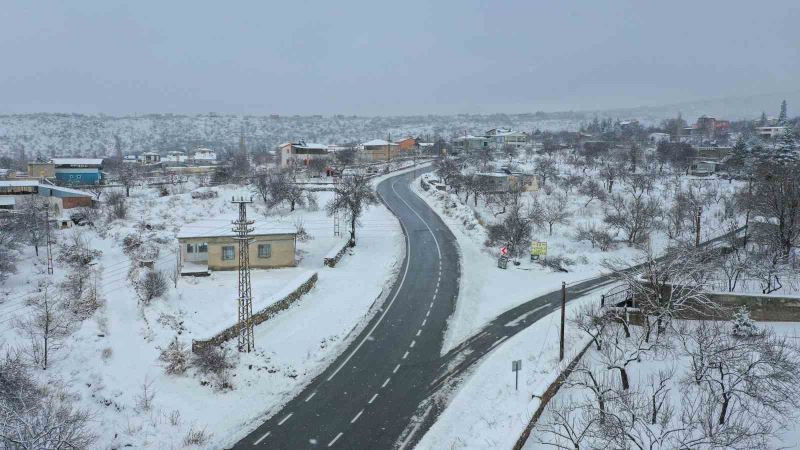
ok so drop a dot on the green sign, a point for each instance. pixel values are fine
(538, 249)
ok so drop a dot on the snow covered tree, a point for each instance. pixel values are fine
(353, 194)
(47, 326)
(175, 357)
(782, 116)
(786, 151)
(592, 190)
(31, 220)
(741, 323)
(515, 229)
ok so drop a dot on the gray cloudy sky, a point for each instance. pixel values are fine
(401, 57)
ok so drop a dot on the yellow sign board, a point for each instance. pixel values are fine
(538, 248)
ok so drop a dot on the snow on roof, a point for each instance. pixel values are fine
(311, 145)
(76, 161)
(222, 229)
(6, 200)
(66, 189)
(377, 142)
(18, 183)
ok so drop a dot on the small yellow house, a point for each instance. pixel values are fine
(206, 247)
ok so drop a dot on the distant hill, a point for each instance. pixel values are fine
(48, 135)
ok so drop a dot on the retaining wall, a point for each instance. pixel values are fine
(258, 317)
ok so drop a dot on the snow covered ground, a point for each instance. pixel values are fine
(487, 291)
(487, 411)
(111, 355)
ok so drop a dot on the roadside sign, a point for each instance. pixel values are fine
(504, 250)
(516, 366)
(538, 249)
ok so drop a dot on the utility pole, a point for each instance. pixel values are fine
(389, 148)
(243, 229)
(49, 242)
(563, 317)
(336, 226)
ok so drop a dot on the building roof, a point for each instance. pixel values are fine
(77, 161)
(35, 183)
(311, 146)
(18, 183)
(222, 229)
(377, 142)
(7, 200)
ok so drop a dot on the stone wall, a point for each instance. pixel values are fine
(331, 260)
(258, 317)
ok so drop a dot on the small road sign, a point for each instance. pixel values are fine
(538, 249)
(516, 366)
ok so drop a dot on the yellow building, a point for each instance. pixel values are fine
(380, 150)
(214, 247)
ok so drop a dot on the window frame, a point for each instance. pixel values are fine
(233, 252)
(267, 246)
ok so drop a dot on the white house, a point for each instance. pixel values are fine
(204, 155)
(301, 153)
(770, 132)
(175, 157)
(655, 138)
(503, 136)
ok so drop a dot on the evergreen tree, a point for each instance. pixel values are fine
(786, 149)
(782, 115)
(762, 122)
(740, 155)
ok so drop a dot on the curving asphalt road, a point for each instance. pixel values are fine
(389, 386)
(368, 396)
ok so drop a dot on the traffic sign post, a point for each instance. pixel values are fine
(538, 250)
(516, 366)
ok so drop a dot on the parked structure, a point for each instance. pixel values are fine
(60, 198)
(207, 247)
(771, 132)
(78, 170)
(655, 138)
(204, 155)
(302, 153)
(380, 150)
(176, 157)
(703, 167)
(504, 181)
(507, 136)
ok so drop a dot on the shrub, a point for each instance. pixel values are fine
(151, 285)
(175, 357)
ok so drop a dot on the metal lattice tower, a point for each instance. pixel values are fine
(243, 228)
(336, 227)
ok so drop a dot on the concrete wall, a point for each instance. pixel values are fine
(283, 251)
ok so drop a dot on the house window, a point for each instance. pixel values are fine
(189, 248)
(202, 248)
(227, 253)
(264, 250)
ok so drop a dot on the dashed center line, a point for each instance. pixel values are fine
(424, 321)
(372, 399)
(405, 355)
(386, 382)
(413, 343)
(311, 396)
(396, 368)
(285, 418)
(419, 331)
(353, 420)
(428, 313)
(330, 444)
(262, 438)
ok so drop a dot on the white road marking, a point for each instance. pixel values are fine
(431, 306)
(372, 399)
(385, 382)
(353, 420)
(285, 418)
(396, 368)
(415, 429)
(412, 344)
(311, 396)
(402, 280)
(428, 313)
(262, 438)
(498, 342)
(330, 444)
(405, 355)
(424, 321)
(519, 319)
(386, 309)
(419, 331)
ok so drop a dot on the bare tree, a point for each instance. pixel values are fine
(635, 216)
(515, 229)
(552, 210)
(546, 169)
(353, 194)
(47, 326)
(592, 190)
(129, 175)
(31, 220)
(151, 285)
(9, 243)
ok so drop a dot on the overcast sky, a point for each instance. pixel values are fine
(387, 58)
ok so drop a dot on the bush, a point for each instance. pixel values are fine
(196, 437)
(151, 285)
(212, 359)
(117, 208)
(175, 358)
(557, 263)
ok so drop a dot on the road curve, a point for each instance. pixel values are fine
(368, 395)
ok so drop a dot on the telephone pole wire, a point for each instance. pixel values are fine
(243, 229)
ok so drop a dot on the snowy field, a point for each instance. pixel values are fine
(487, 411)
(106, 362)
(641, 372)
(487, 291)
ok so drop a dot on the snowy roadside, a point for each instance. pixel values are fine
(487, 411)
(110, 357)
